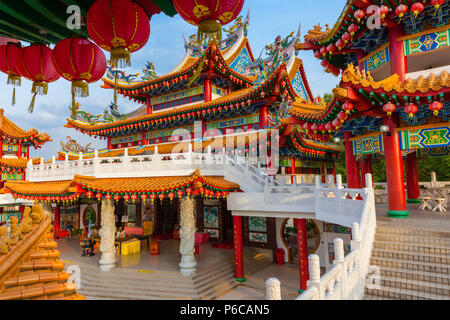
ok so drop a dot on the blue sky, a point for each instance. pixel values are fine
(268, 18)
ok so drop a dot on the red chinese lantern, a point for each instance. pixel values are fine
(329, 127)
(108, 197)
(143, 198)
(340, 44)
(153, 197)
(411, 109)
(9, 53)
(346, 37)
(133, 197)
(80, 61)
(336, 123)
(384, 10)
(35, 63)
(188, 191)
(89, 194)
(317, 54)
(208, 15)
(117, 197)
(435, 107)
(171, 196)
(315, 127)
(359, 15)
(161, 196)
(324, 63)
(126, 197)
(389, 108)
(437, 3)
(218, 194)
(342, 116)
(331, 49)
(98, 196)
(417, 8)
(323, 51)
(179, 193)
(347, 107)
(119, 27)
(401, 10)
(353, 28)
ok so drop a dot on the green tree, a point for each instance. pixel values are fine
(328, 97)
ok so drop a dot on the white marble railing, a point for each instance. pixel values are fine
(235, 168)
(348, 207)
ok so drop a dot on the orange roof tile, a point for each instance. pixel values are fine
(38, 188)
(9, 128)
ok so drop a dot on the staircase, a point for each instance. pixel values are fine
(414, 264)
(208, 283)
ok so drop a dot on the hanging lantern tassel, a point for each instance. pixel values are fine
(120, 57)
(13, 102)
(198, 71)
(80, 88)
(209, 30)
(31, 107)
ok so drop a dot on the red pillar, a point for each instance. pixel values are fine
(56, 222)
(394, 172)
(149, 105)
(353, 180)
(334, 171)
(28, 152)
(263, 112)
(362, 166)
(1, 147)
(399, 63)
(144, 138)
(302, 239)
(323, 171)
(109, 143)
(19, 151)
(22, 209)
(360, 55)
(292, 170)
(367, 168)
(238, 249)
(412, 178)
(208, 89)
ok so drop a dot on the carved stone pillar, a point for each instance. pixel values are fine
(188, 265)
(107, 235)
(273, 289)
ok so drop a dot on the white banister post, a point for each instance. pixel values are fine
(66, 157)
(96, 162)
(330, 179)
(294, 180)
(339, 260)
(317, 181)
(368, 180)
(126, 160)
(314, 274)
(28, 172)
(53, 159)
(80, 156)
(273, 289)
(189, 155)
(356, 237)
(42, 161)
(156, 159)
(339, 181)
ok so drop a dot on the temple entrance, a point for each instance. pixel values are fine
(289, 237)
(167, 218)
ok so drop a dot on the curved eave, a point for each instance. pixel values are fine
(221, 69)
(242, 98)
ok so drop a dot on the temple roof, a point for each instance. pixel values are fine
(80, 184)
(238, 100)
(32, 269)
(365, 39)
(12, 132)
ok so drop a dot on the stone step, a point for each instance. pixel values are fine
(119, 294)
(411, 256)
(416, 247)
(414, 275)
(441, 242)
(417, 266)
(402, 294)
(402, 231)
(416, 285)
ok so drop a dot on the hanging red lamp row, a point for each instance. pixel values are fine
(411, 109)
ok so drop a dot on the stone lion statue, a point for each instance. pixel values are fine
(5, 244)
(37, 213)
(15, 232)
(26, 223)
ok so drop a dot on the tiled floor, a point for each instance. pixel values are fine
(424, 219)
(167, 260)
